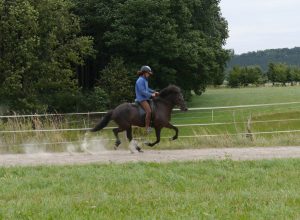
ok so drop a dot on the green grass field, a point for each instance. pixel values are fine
(246, 96)
(191, 190)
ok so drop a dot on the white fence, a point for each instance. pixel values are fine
(178, 125)
(211, 111)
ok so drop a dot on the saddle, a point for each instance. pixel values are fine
(142, 112)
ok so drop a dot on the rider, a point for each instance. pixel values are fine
(144, 93)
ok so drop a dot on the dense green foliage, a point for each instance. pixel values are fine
(116, 83)
(282, 73)
(39, 47)
(181, 40)
(277, 73)
(263, 58)
(193, 190)
(243, 76)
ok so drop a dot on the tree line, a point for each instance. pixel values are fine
(76, 55)
(277, 73)
(264, 57)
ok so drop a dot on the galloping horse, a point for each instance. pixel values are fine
(128, 114)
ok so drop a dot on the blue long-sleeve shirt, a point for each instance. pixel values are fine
(142, 91)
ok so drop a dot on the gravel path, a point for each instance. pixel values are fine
(122, 156)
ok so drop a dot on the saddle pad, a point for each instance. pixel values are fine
(142, 112)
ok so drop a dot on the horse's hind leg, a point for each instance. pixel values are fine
(116, 131)
(129, 136)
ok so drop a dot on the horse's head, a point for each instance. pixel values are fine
(173, 95)
(181, 103)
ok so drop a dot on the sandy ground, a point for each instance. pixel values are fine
(123, 156)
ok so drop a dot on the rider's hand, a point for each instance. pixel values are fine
(155, 94)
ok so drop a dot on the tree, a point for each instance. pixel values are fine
(271, 72)
(93, 100)
(116, 83)
(145, 37)
(265, 57)
(295, 74)
(179, 39)
(244, 76)
(18, 43)
(278, 72)
(96, 18)
(40, 48)
(234, 77)
(253, 75)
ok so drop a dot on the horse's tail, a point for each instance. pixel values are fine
(103, 123)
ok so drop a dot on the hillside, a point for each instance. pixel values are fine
(263, 58)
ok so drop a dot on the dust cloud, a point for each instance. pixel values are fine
(88, 144)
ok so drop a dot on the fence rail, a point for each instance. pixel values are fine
(190, 109)
(177, 125)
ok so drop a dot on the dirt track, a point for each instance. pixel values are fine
(149, 156)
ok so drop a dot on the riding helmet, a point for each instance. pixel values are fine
(146, 69)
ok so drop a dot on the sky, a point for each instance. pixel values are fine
(261, 24)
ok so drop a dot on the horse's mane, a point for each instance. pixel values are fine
(169, 90)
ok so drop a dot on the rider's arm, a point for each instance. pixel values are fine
(142, 89)
(151, 90)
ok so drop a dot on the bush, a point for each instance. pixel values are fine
(95, 100)
(116, 83)
(244, 76)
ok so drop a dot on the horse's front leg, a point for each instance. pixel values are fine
(175, 129)
(157, 132)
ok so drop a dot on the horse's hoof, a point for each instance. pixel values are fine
(149, 144)
(173, 138)
(139, 149)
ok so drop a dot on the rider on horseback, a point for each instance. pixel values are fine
(144, 93)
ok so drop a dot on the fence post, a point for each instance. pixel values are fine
(249, 132)
(88, 119)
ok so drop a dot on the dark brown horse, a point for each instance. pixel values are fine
(128, 114)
